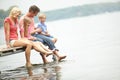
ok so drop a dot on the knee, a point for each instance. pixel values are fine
(29, 44)
(55, 40)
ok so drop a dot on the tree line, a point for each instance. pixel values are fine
(4, 14)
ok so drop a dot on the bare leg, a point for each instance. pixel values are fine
(37, 47)
(44, 58)
(28, 44)
(54, 40)
(58, 56)
(30, 71)
(43, 46)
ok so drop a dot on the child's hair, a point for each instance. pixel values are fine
(26, 20)
(15, 10)
(41, 15)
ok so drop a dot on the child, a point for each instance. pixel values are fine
(43, 27)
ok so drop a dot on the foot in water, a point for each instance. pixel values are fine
(61, 57)
(28, 65)
(46, 62)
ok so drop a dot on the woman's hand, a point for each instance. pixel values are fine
(8, 46)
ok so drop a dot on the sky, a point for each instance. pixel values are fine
(46, 5)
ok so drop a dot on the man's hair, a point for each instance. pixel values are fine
(34, 9)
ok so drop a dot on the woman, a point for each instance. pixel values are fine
(11, 35)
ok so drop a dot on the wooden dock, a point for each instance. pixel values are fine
(8, 51)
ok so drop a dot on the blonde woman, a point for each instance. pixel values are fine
(11, 35)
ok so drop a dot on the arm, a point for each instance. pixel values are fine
(36, 30)
(7, 34)
(21, 27)
(42, 32)
(45, 33)
(33, 29)
(21, 32)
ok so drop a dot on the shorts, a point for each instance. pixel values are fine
(12, 43)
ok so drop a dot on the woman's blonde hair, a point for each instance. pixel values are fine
(15, 10)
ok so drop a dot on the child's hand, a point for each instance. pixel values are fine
(38, 30)
(47, 34)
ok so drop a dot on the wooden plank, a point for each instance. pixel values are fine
(8, 51)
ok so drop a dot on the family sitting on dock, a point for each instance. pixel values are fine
(31, 37)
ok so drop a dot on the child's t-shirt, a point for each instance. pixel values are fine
(42, 26)
(28, 36)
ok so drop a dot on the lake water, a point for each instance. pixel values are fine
(92, 46)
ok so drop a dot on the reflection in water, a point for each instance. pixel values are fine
(50, 71)
(47, 74)
(37, 72)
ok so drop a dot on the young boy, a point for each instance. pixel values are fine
(42, 26)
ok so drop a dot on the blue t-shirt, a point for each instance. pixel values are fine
(42, 26)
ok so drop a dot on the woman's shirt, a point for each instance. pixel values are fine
(13, 28)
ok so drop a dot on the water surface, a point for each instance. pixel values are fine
(92, 46)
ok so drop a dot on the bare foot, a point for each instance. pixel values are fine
(46, 62)
(62, 57)
(28, 65)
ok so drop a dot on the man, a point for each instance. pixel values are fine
(33, 11)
